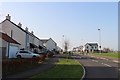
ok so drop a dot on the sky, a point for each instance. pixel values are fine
(77, 21)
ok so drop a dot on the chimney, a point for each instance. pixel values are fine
(20, 25)
(26, 29)
(32, 32)
(8, 17)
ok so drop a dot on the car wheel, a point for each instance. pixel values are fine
(34, 56)
(19, 57)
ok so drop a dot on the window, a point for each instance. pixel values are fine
(23, 52)
(87, 47)
(92, 47)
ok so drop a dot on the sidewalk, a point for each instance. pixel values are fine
(43, 67)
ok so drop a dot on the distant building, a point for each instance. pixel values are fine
(58, 48)
(50, 44)
(78, 49)
(91, 47)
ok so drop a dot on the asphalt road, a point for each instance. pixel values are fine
(96, 68)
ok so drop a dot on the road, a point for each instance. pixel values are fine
(97, 68)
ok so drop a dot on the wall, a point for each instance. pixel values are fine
(51, 45)
(18, 34)
(4, 48)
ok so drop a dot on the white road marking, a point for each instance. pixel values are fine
(119, 69)
(106, 59)
(102, 58)
(95, 60)
(106, 65)
(92, 56)
(115, 61)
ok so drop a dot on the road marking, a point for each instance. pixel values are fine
(106, 59)
(115, 61)
(102, 58)
(92, 56)
(119, 69)
(94, 60)
(106, 65)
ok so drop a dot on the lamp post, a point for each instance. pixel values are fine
(63, 42)
(99, 39)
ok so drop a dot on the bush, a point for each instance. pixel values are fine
(12, 66)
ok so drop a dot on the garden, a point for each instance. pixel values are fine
(14, 66)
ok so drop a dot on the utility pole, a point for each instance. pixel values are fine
(99, 39)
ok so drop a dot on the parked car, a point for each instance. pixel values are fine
(26, 54)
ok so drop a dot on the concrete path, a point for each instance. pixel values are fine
(43, 67)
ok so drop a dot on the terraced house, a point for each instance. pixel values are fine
(19, 39)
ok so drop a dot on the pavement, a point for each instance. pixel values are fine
(26, 74)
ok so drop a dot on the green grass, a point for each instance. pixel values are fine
(65, 68)
(111, 55)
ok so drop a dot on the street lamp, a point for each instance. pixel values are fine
(63, 42)
(99, 39)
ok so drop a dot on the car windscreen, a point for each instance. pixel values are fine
(23, 52)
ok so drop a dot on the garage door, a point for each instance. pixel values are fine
(12, 51)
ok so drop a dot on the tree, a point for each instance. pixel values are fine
(66, 45)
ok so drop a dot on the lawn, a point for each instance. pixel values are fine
(111, 55)
(65, 68)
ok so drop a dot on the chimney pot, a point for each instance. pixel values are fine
(20, 25)
(26, 29)
(32, 32)
(8, 17)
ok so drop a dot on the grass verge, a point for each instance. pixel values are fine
(110, 55)
(65, 68)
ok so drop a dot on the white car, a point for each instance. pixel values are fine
(26, 54)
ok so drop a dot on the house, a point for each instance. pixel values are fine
(78, 49)
(8, 46)
(33, 43)
(50, 44)
(59, 49)
(91, 47)
(14, 31)
(27, 39)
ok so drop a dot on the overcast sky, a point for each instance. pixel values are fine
(77, 21)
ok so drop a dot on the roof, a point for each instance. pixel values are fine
(92, 44)
(7, 38)
(44, 40)
(20, 28)
(14, 24)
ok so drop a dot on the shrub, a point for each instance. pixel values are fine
(11, 66)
